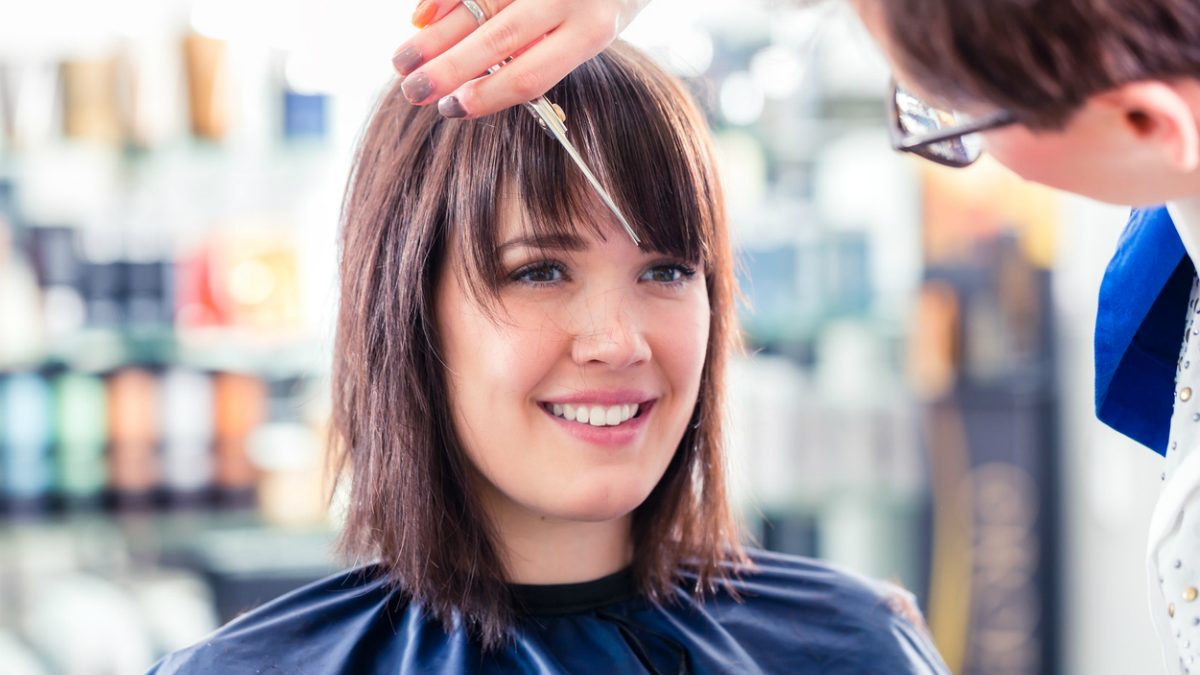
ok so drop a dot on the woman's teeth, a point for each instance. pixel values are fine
(595, 415)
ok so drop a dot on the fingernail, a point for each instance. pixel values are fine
(450, 106)
(424, 14)
(406, 60)
(416, 88)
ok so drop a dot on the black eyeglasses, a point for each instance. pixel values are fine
(947, 137)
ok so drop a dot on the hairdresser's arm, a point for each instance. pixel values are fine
(549, 38)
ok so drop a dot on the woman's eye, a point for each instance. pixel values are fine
(540, 273)
(672, 273)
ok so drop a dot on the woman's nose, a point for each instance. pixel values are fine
(610, 331)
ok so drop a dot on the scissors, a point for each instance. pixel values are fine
(548, 116)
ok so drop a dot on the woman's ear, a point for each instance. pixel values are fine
(1162, 114)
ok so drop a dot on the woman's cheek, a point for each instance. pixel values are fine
(683, 336)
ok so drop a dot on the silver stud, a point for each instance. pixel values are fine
(1174, 444)
(1178, 564)
(1196, 417)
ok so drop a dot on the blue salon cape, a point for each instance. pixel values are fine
(1139, 328)
(796, 616)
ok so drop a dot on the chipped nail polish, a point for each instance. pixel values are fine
(416, 88)
(406, 60)
(450, 106)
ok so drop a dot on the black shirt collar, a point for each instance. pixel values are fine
(558, 599)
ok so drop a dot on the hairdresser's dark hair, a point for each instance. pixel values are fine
(1040, 59)
(421, 184)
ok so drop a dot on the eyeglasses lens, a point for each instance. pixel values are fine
(917, 117)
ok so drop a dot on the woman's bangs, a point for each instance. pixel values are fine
(634, 136)
(637, 134)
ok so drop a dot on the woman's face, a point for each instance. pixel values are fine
(571, 399)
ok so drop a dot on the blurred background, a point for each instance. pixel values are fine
(915, 402)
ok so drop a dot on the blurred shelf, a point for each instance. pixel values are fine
(274, 353)
(231, 540)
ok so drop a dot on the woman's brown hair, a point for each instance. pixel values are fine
(1039, 59)
(421, 184)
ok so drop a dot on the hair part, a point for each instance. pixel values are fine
(421, 184)
(1039, 59)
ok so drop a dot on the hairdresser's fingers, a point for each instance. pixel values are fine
(528, 76)
(589, 27)
(445, 23)
(491, 43)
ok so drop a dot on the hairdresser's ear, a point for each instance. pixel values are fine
(1163, 115)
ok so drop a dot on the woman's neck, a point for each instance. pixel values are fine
(540, 550)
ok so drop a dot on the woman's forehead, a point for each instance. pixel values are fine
(574, 229)
(570, 215)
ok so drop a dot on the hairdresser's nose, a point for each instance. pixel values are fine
(610, 331)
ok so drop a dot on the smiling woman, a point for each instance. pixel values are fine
(529, 408)
(529, 298)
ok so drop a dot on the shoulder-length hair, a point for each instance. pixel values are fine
(420, 184)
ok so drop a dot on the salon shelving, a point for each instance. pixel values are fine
(169, 197)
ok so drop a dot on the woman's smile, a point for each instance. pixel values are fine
(611, 418)
(595, 415)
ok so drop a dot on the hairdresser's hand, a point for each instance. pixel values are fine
(549, 38)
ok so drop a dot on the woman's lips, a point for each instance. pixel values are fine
(594, 414)
(618, 434)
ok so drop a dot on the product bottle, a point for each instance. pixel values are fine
(133, 419)
(21, 324)
(241, 406)
(188, 462)
(81, 419)
(25, 436)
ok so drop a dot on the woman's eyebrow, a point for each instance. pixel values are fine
(558, 242)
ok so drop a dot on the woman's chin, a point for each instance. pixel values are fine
(593, 506)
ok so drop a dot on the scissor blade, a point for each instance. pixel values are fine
(543, 110)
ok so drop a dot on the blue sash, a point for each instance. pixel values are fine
(1139, 328)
